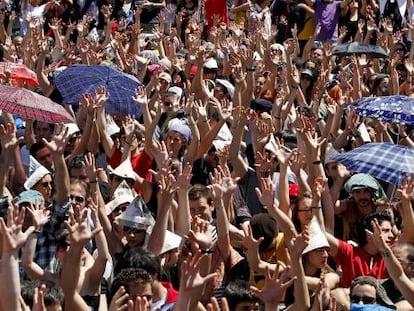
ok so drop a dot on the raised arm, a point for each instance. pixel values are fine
(13, 239)
(79, 235)
(40, 216)
(57, 146)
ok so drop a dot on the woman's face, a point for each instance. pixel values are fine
(305, 211)
(174, 142)
(45, 187)
(318, 258)
(134, 237)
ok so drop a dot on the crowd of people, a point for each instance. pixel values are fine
(224, 192)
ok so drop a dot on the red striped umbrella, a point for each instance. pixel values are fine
(29, 105)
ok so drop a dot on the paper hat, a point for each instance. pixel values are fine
(123, 194)
(317, 239)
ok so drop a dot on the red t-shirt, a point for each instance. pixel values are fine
(141, 163)
(356, 262)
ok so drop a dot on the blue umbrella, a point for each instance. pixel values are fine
(79, 79)
(392, 109)
(384, 161)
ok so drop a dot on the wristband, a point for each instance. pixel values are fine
(250, 69)
(386, 253)
(316, 207)
(317, 162)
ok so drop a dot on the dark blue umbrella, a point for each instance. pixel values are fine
(79, 79)
(392, 109)
(385, 161)
(358, 48)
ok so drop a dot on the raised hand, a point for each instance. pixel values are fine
(119, 300)
(201, 233)
(140, 97)
(319, 186)
(79, 232)
(221, 183)
(275, 285)
(214, 305)
(166, 188)
(13, 236)
(101, 96)
(266, 194)
(298, 243)
(183, 180)
(90, 167)
(406, 190)
(8, 137)
(59, 139)
(40, 214)
(38, 298)
(191, 279)
(248, 240)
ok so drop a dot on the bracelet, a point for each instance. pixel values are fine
(317, 162)
(93, 181)
(277, 117)
(208, 250)
(250, 69)
(37, 231)
(294, 87)
(316, 207)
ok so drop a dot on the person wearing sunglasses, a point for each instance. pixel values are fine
(366, 290)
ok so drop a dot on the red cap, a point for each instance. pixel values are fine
(294, 190)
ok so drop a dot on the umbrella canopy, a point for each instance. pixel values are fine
(19, 73)
(385, 161)
(29, 105)
(79, 79)
(392, 109)
(359, 48)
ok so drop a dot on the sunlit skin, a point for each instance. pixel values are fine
(305, 211)
(44, 157)
(318, 258)
(174, 142)
(364, 290)
(135, 290)
(363, 198)
(135, 239)
(201, 208)
(45, 186)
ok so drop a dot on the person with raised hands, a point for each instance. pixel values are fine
(192, 281)
(13, 238)
(92, 269)
(79, 235)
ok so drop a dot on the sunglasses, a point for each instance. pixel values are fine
(78, 199)
(365, 300)
(130, 230)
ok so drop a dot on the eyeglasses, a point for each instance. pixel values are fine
(77, 199)
(399, 50)
(130, 230)
(47, 184)
(365, 300)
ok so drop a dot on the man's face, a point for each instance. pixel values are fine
(363, 198)
(201, 208)
(171, 103)
(42, 130)
(78, 196)
(135, 289)
(44, 157)
(401, 253)
(386, 230)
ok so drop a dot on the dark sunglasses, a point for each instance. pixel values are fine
(77, 199)
(365, 300)
(130, 230)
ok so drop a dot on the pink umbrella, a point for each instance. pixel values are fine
(29, 105)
